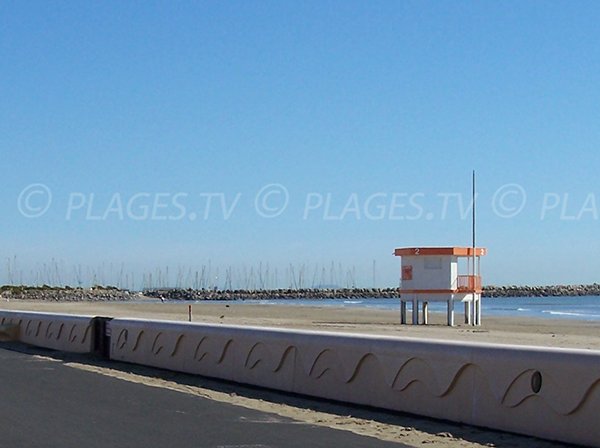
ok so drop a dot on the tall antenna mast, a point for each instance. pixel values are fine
(474, 209)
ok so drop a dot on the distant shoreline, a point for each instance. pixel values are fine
(99, 293)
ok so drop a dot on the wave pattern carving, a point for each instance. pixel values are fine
(316, 360)
(68, 333)
(543, 392)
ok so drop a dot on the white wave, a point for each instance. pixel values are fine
(523, 309)
(353, 301)
(566, 313)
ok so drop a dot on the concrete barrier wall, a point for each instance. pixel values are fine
(59, 332)
(543, 392)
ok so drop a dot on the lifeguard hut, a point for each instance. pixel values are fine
(431, 274)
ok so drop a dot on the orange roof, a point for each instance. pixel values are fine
(456, 251)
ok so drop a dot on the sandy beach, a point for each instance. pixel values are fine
(504, 330)
(410, 430)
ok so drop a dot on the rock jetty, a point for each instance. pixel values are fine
(542, 291)
(364, 293)
(107, 293)
(66, 294)
(282, 294)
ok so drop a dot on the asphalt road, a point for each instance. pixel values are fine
(44, 403)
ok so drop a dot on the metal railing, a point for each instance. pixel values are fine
(469, 283)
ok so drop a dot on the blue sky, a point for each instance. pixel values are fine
(364, 115)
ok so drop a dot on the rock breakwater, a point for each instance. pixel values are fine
(542, 291)
(66, 294)
(274, 294)
(364, 293)
(105, 294)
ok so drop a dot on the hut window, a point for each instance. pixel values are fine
(433, 263)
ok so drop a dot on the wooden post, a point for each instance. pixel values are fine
(425, 312)
(451, 312)
(415, 312)
(467, 313)
(189, 313)
(402, 311)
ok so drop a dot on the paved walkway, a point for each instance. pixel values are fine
(44, 403)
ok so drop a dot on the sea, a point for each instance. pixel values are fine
(581, 307)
